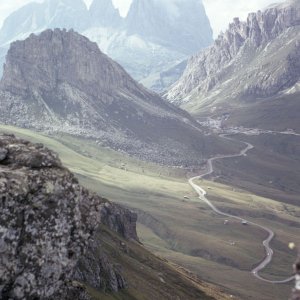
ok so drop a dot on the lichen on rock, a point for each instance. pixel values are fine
(47, 223)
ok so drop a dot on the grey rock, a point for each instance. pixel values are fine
(47, 224)
(256, 58)
(96, 269)
(3, 153)
(120, 221)
(104, 14)
(175, 24)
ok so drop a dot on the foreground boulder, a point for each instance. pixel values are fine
(47, 223)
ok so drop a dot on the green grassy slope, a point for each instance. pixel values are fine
(184, 231)
(150, 277)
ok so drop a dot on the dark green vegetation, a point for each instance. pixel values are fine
(182, 230)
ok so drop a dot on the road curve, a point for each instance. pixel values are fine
(266, 243)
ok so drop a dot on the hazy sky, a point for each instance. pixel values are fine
(220, 12)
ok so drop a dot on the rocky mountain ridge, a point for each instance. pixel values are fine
(252, 59)
(145, 47)
(59, 81)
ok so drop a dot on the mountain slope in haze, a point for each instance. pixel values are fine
(174, 23)
(103, 13)
(145, 46)
(35, 17)
(59, 81)
(255, 59)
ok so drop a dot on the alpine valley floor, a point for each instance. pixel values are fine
(175, 225)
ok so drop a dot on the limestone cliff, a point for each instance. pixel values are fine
(252, 59)
(47, 225)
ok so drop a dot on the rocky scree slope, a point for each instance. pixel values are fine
(145, 46)
(59, 81)
(255, 59)
(47, 223)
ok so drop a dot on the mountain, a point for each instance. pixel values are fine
(175, 24)
(49, 222)
(59, 81)
(59, 241)
(103, 13)
(251, 62)
(36, 17)
(144, 46)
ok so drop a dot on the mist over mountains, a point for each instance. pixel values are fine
(154, 37)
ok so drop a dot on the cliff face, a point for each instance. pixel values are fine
(46, 226)
(176, 24)
(256, 58)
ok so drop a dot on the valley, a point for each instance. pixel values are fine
(174, 225)
(273, 163)
(266, 243)
(195, 142)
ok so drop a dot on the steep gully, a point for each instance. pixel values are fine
(266, 243)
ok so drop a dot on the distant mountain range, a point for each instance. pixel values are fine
(59, 81)
(153, 38)
(249, 67)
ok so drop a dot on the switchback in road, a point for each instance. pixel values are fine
(266, 243)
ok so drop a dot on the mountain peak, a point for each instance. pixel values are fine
(263, 32)
(104, 13)
(62, 56)
(35, 17)
(173, 21)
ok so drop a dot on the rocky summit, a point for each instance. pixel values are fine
(152, 39)
(59, 81)
(254, 59)
(47, 224)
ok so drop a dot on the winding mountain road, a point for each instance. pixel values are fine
(266, 243)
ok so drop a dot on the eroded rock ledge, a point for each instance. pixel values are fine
(47, 224)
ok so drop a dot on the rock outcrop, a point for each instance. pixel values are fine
(59, 81)
(252, 59)
(47, 224)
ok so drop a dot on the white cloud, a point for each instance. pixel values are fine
(220, 12)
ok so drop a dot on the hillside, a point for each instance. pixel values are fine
(59, 81)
